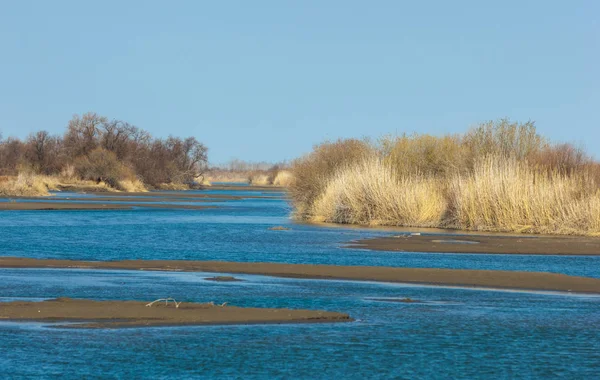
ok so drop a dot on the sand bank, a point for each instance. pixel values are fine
(125, 198)
(103, 314)
(184, 194)
(61, 206)
(433, 276)
(484, 244)
(32, 206)
(249, 188)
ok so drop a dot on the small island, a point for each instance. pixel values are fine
(84, 313)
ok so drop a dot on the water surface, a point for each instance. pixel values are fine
(451, 333)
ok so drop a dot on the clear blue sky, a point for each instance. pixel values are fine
(265, 80)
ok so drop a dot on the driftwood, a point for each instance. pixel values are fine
(166, 302)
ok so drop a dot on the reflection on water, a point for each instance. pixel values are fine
(447, 333)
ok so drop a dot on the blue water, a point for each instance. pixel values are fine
(452, 333)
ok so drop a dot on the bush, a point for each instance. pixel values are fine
(370, 192)
(284, 178)
(426, 154)
(504, 138)
(510, 195)
(25, 184)
(314, 171)
(103, 166)
(500, 176)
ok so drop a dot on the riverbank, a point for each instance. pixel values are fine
(431, 276)
(83, 313)
(484, 244)
(126, 201)
(55, 206)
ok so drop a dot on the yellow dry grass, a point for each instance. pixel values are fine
(25, 184)
(173, 186)
(284, 178)
(508, 195)
(226, 176)
(500, 176)
(501, 195)
(32, 185)
(259, 179)
(132, 186)
(372, 193)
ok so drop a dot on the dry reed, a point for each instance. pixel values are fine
(500, 176)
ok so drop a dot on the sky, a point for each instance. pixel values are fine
(267, 80)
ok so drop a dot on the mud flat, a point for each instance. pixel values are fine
(484, 244)
(112, 314)
(61, 206)
(249, 188)
(183, 194)
(432, 276)
(39, 206)
(223, 279)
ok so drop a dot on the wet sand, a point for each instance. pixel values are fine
(155, 199)
(49, 205)
(223, 279)
(248, 188)
(61, 206)
(183, 194)
(122, 198)
(114, 314)
(430, 276)
(484, 244)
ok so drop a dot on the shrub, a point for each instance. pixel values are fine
(103, 166)
(314, 171)
(370, 192)
(25, 184)
(284, 178)
(504, 138)
(426, 154)
(510, 195)
(499, 176)
(259, 178)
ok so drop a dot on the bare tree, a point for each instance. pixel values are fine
(116, 135)
(83, 134)
(11, 155)
(44, 152)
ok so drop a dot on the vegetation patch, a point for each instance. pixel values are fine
(96, 153)
(500, 176)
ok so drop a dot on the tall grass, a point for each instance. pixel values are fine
(284, 178)
(510, 195)
(25, 184)
(370, 192)
(28, 184)
(500, 176)
(313, 172)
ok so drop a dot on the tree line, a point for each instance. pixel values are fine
(95, 147)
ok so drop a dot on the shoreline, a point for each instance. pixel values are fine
(495, 279)
(59, 205)
(484, 244)
(86, 313)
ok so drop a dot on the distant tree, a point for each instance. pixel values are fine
(11, 155)
(83, 134)
(102, 165)
(116, 136)
(107, 150)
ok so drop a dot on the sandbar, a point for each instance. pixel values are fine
(182, 194)
(53, 206)
(248, 188)
(431, 276)
(117, 314)
(484, 244)
(34, 206)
